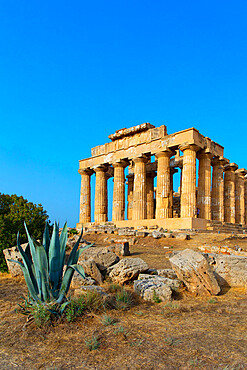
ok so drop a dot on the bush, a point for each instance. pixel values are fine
(14, 211)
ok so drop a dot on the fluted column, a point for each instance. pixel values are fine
(240, 196)
(150, 194)
(245, 197)
(204, 184)
(172, 171)
(163, 196)
(217, 201)
(85, 196)
(188, 195)
(229, 192)
(118, 208)
(130, 196)
(139, 211)
(101, 201)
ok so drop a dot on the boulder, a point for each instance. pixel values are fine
(14, 254)
(90, 288)
(127, 269)
(168, 273)
(101, 256)
(151, 289)
(120, 249)
(156, 234)
(195, 272)
(183, 236)
(230, 270)
(174, 284)
(78, 281)
(90, 269)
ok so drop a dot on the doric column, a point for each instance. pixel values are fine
(150, 194)
(217, 201)
(85, 197)
(204, 184)
(240, 196)
(101, 201)
(245, 197)
(229, 192)
(188, 195)
(172, 171)
(163, 196)
(118, 208)
(130, 184)
(139, 211)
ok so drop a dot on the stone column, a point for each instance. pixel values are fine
(139, 211)
(217, 201)
(240, 196)
(163, 196)
(188, 195)
(172, 171)
(101, 201)
(150, 194)
(229, 192)
(118, 208)
(204, 184)
(245, 197)
(85, 197)
(130, 196)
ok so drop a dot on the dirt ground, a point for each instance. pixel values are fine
(191, 332)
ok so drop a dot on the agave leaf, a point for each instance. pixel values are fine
(27, 262)
(80, 250)
(44, 272)
(73, 257)
(28, 280)
(34, 257)
(63, 306)
(67, 280)
(63, 241)
(55, 261)
(46, 238)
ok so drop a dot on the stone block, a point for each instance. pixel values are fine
(182, 236)
(14, 254)
(168, 273)
(127, 269)
(91, 269)
(149, 289)
(195, 272)
(142, 234)
(90, 288)
(101, 256)
(78, 281)
(156, 234)
(174, 284)
(120, 249)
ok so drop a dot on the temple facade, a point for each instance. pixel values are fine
(148, 152)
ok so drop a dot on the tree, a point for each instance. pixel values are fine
(14, 211)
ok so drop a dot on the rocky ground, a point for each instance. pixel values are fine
(189, 332)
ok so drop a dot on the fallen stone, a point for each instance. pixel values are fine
(151, 289)
(168, 273)
(174, 284)
(14, 254)
(194, 271)
(142, 234)
(90, 288)
(127, 269)
(127, 232)
(168, 235)
(91, 269)
(101, 256)
(156, 234)
(230, 270)
(78, 281)
(183, 236)
(120, 249)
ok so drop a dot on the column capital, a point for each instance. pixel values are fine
(185, 146)
(204, 154)
(120, 163)
(140, 159)
(165, 153)
(85, 171)
(241, 172)
(231, 167)
(219, 161)
(101, 168)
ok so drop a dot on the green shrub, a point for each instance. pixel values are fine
(92, 343)
(124, 300)
(107, 320)
(156, 298)
(73, 232)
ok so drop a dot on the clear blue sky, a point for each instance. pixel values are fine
(73, 72)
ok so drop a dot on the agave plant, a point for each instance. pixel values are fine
(43, 266)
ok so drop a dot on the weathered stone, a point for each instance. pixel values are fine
(151, 289)
(156, 234)
(127, 269)
(168, 235)
(183, 236)
(78, 281)
(230, 270)
(90, 288)
(142, 234)
(193, 269)
(174, 284)
(91, 269)
(126, 232)
(14, 254)
(101, 256)
(168, 273)
(120, 249)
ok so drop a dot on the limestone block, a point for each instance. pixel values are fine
(174, 284)
(168, 273)
(193, 269)
(157, 234)
(78, 281)
(230, 270)
(183, 236)
(126, 231)
(90, 288)
(127, 269)
(168, 235)
(91, 269)
(148, 289)
(142, 234)
(120, 249)
(14, 254)
(101, 256)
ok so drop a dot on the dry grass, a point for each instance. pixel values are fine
(189, 333)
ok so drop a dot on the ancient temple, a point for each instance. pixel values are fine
(147, 151)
